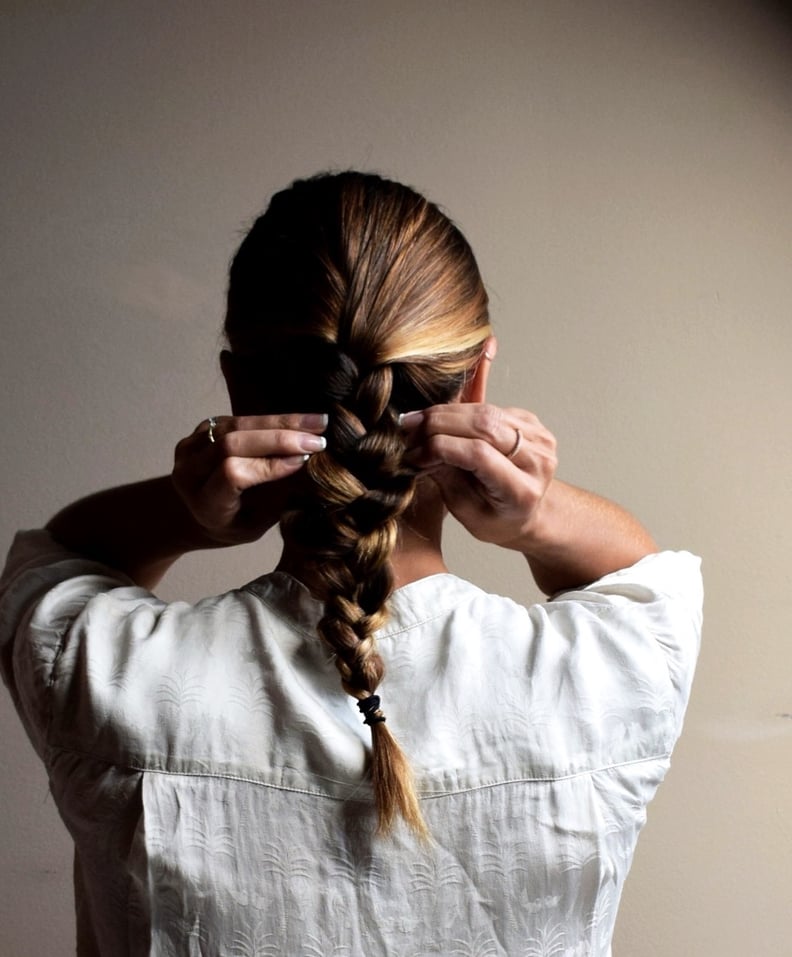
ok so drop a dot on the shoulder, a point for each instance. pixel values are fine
(67, 621)
(635, 634)
(670, 575)
(660, 596)
(636, 626)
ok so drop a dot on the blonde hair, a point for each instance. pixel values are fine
(369, 303)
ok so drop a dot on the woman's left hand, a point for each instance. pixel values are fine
(228, 474)
(492, 465)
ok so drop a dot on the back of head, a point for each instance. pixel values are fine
(353, 295)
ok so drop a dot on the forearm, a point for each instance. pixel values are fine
(577, 537)
(139, 529)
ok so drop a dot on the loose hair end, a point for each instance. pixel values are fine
(394, 785)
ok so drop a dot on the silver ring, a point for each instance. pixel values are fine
(212, 424)
(517, 444)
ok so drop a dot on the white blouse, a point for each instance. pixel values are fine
(213, 773)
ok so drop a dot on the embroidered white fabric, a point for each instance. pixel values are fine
(213, 773)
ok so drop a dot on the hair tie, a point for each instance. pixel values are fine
(370, 708)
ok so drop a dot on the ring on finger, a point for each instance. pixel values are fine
(212, 425)
(517, 443)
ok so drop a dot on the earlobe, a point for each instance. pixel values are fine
(475, 389)
(231, 379)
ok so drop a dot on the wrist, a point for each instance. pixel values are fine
(576, 537)
(540, 532)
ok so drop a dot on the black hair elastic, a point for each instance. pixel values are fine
(369, 707)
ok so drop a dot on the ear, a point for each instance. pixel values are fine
(232, 381)
(475, 388)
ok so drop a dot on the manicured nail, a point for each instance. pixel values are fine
(314, 420)
(313, 443)
(294, 460)
(406, 419)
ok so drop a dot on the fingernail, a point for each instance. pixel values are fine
(295, 460)
(313, 443)
(411, 418)
(314, 420)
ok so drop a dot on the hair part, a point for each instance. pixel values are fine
(354, 295)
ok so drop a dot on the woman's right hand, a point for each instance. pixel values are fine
(492, 465)
(231, 477)
(495, 469)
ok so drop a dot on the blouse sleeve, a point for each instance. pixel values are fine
(655, 608)
(43, 588)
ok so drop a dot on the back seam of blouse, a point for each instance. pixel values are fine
(423, 795)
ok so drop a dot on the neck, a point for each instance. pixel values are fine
(418, 553)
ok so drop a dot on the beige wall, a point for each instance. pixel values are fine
(624, 171)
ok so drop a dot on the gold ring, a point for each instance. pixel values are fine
(517, 444)
(212, 424)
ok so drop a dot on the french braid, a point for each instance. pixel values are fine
(350, 526)
(371, 301)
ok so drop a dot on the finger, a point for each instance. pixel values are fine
(296, 421)
(488, 485)
(268, 443)
(199, 456)
(313, 422)
(498, 426)
(475, 456)
(520, 449)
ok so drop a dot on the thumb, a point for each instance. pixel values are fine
(459, 490)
